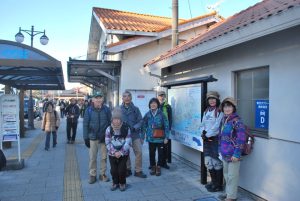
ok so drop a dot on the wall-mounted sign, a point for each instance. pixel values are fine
(262, 114)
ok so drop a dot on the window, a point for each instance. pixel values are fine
(252, 85)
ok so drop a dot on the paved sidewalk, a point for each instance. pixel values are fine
(62, 174)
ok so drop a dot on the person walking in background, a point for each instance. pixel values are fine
(167, 110)
(62, 107)
(50, 124)
(83, 108)
(96, 119)
(232, 138)
(72, 114)
(156, 129)
(210, 130)
(132, 116)
(118, 142)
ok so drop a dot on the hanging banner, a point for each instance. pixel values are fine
(9, 108)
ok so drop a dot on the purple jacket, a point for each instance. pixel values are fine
(232, 137)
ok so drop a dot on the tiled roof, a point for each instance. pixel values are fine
(128, 21)
(259, 11)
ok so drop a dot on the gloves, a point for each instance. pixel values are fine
(203, 135)
(56, 128)
(87, 143)
(43, 129)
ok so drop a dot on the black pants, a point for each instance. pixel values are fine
(167, 151)
(152, 153)
(62, 113)
(118, 169)
(71, 126)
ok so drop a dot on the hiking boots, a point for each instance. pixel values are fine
(113, 187)
(140, 174)
(103, 178)
(122, 187)
(223, 196)
(92, 179)
(152, 171)
(217, 181)
(165, 166)
(158, 172)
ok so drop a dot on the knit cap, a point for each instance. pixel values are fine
(117, 113)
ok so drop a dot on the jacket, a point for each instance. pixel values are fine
(72, 109)
(50, 121)
(132, 116)
(211, 122)
(167, 110)
(232, 137)
(155, 121)
(118, 141)
(95, 122)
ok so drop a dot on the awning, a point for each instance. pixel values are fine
(91, 72)
(25, 67)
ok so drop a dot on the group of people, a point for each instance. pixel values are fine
(222, 132)
(112, 134)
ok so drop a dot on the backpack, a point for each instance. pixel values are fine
(249, 142)
(2, 160)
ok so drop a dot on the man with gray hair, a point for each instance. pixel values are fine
(132, 116)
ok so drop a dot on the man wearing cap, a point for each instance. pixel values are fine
(132, 116)
(97, 118)
(72, 114)
(167, 111)
(210, 130)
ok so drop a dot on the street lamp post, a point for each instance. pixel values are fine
(44, 41)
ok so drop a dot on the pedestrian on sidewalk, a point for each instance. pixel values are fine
(72, 114)
(62, 107)
(132, 116)
(210, 134)
(118, 142)
(96, 119)
(50, 124)
(167, 110)
(232, 139)
(156, 129)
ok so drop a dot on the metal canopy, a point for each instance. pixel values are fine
(196, 80)
(93, 72)
(24, 67)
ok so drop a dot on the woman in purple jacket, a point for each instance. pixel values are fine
(232, 139)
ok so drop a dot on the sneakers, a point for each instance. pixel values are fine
(122, 187)
(103, 178)
(128, 173)
(140, 174)
(92, 179)
(113, 187)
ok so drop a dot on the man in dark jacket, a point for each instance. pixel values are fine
(95, 121)
(72, 114)
(132, 116)
(167, 111)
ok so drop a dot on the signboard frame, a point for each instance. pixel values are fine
(10, 120)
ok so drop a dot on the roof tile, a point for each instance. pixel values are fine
(246, 17)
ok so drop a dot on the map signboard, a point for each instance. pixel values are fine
(186, 109)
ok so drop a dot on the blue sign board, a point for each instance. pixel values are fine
(262, 114)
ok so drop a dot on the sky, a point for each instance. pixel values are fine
(67, 22)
